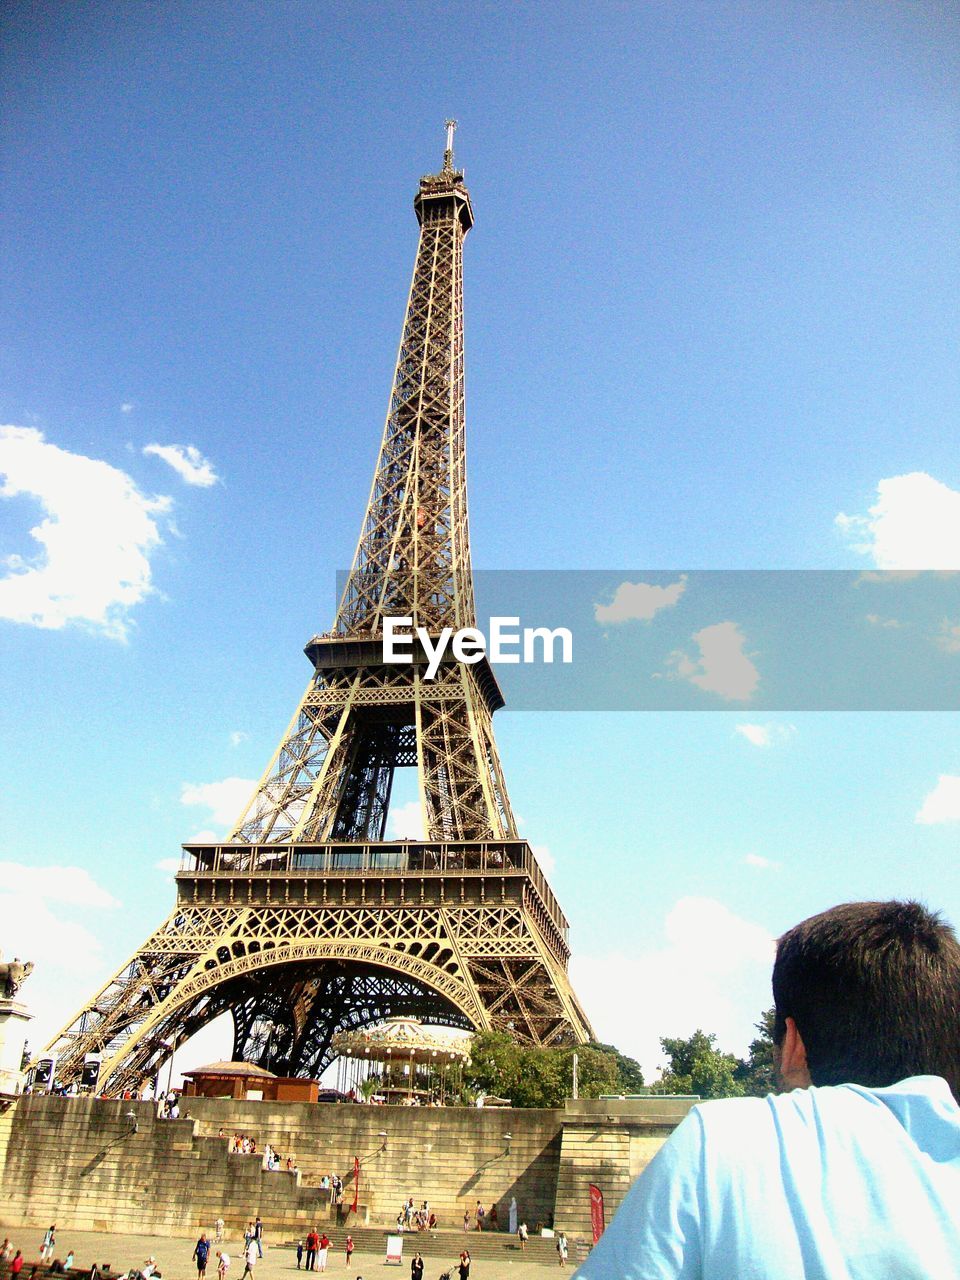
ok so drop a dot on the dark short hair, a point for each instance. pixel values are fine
(874, 988)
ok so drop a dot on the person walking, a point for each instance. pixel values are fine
(481, 1214)
(464, 1267)
(348, 1246)
(49, 1240)
(16, 1266)
(250, 1260)
(416, 1268)
(522, 1234)
(258, 1235)
(561, 1249)
(322, 1252)
(313, 1241)
(466, 1219)
(218, 1229)
(201, 1251)
(299, 1253)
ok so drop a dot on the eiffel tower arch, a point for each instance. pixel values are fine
(306, 921)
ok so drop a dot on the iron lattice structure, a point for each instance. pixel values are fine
(306, 921)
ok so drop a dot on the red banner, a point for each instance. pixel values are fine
(596, 1212)
(356, 1184)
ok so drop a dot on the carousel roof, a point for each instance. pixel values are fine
(405, 1038)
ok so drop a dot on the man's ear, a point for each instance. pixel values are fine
(792, 1066)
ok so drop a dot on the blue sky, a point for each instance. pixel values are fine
(711, 307)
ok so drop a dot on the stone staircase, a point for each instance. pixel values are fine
(441, 1246)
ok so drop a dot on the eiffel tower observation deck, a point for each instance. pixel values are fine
(305, 921)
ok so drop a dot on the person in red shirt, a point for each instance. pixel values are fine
(349, 1248)
(16, 1266)
(322, 1252)
(313, 1240)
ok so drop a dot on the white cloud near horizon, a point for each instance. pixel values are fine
(94, 542)
(225, 800)
(47, 915)
(942, 804)
(187, 461)
(914, 524)
(721, 666)
(710, 970)
(639, 601)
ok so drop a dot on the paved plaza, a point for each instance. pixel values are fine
(174, 1257)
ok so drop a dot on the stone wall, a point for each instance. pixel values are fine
(609, 1143)
(78, 1162)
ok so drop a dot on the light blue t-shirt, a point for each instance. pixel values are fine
(838, 1183)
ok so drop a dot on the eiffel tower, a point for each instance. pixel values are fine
(306, 921)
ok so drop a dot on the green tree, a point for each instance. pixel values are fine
(698, 1066)
(630, 1071)
(756, 1073)
(597, 1071)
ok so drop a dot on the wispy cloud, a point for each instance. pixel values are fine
(225, 799)
(914, 524)
(639, 601)
(237, 737)
(890, 624)
(127, 407)
(761, 863)
(187, 461)
(94, 543)
(949, 637)
(721, 666)
(942, 804)
(765, 735)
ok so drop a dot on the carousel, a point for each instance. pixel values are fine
(403, 1062)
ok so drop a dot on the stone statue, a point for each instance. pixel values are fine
(13, 973)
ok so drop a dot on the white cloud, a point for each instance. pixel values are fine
(943, 802)
(237, 737)
(765, 735)
(760, 862)
(127, 407)
(73, 885)
(95, 540)
(548, 863)
(187, 461)
(949, 638)
(891, 624)
(226, 799)
(639, 601)
(206, 836)
(721, 667)
(169, 866)
(68, 955)
(405, 822)
(914, 524)
(712, 970)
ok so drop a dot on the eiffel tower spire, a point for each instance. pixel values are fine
(306, 920)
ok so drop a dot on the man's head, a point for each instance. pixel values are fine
(872, 992)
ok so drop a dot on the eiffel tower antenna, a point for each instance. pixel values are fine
(306, 920)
